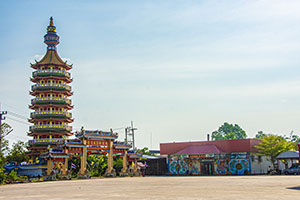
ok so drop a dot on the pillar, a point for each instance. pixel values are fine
(110, 158)
(124, 169)
(65, 167)
(135, 169)
(83, 158)
(49, 166)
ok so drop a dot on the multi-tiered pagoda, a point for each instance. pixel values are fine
(51, 103)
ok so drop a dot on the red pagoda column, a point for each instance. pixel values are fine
(51, 103)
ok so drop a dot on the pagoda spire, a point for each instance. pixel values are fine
(51, 38)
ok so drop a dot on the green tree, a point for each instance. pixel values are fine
(229, 132)
(17, 153)
(145, 151)
(273, 145)
(261, 135)
(5, 130)
(97, 164)
(3, 150)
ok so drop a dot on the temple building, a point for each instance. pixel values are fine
(51, 103)
(220, 157)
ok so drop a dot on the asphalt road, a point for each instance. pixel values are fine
(226, 187)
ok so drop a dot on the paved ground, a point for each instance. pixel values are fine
(230, 187)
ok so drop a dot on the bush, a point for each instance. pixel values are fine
(2, 176)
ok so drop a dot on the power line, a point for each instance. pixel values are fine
(13, 107)
(17, 115)
(18, 121)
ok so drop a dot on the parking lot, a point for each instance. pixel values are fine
(226, 187)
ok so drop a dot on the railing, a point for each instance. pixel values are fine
(55, 99)
(44, 86)
(52, 126)
(45, 72)
(43, 113)
(45, 140)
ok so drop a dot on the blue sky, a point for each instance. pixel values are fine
(178, 69)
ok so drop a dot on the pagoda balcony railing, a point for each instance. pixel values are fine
(51, 100)
(49, 86)
(51, 72)
(50, 114)
(45, 141)
(46, 127)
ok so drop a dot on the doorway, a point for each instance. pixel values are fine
(207, 168)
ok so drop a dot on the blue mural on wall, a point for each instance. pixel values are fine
(178, 165)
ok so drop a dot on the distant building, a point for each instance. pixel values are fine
(221, 157)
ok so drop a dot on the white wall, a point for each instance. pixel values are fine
(261, 166)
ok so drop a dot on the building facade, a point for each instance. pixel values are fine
(51, 103)
(222, 157)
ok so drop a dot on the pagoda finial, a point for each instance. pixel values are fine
(51, 21)
(51, 38)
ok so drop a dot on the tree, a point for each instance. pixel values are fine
(229, 132)
(5, 129)
(273, 145)
(261, 135)
(3, 150)
(97, 164)
(17, 153)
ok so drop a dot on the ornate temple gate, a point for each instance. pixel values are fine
(92, 142)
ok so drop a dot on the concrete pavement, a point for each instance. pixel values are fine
(225, 187)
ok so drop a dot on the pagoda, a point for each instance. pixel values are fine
(51, 103)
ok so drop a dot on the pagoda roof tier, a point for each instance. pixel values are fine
(51, 58)
(64, 92)
(53, 105)
(37, 79)
(47, 132)
(51, 72)
(53, 119)
(51, 86)
(32, 134)
(45, 141)
(55, 153)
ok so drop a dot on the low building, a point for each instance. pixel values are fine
(221, 157)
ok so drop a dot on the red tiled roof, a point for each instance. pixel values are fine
(225, 146)
(199, 149)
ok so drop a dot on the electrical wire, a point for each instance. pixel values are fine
(18, 121)
(17, 115)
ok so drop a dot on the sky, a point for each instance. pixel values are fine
(178, 69)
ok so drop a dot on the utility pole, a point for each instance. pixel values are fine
(129, 135)
(1, 118)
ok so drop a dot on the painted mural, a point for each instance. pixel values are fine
(194, 167)
(224, 164)
(178, 165)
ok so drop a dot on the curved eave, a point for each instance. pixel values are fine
(59, 119)
(37, 92)
(50, 132)
(62, 78)
(51, 58)
(54, 105)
